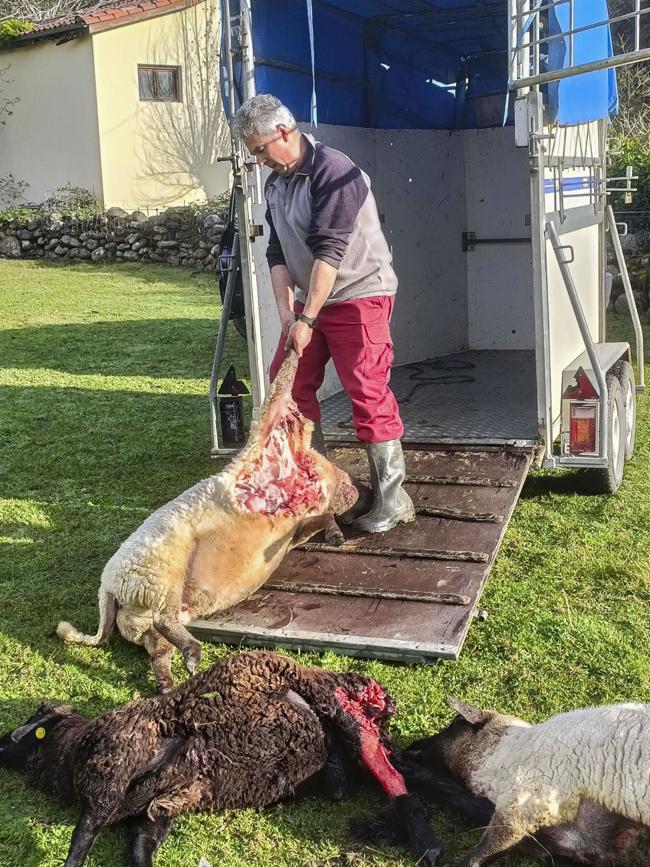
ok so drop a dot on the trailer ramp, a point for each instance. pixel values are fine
(409, 594)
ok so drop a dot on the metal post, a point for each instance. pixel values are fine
(638, 332)
(583, 325)
(245, 190)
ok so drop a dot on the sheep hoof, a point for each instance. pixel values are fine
(192, 658)
(333, 536)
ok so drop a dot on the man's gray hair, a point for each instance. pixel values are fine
(260, 115)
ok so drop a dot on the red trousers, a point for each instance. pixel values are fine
(356, 336)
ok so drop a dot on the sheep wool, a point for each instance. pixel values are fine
(536, 775)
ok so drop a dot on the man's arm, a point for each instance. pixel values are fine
(283, 290)
(338, 193)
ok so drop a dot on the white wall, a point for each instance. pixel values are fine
(52, 138)
(499, 276)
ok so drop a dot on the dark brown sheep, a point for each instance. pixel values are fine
(246, 732)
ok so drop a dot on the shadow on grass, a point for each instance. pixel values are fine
(82, 470)
(162, 348)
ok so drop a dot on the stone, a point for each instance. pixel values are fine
(174, 260)
(74, 242)
(92, 244)
(116, 212)
(10, 248)
(82, 253)
(61, 251)
(139, 217)
(98, 254)
(621, 305)
(24, 235)
(34, 224)
(167, 245)
(25, 244)
(41, 242)
(160, 230)
(213, 223)
(131, 255)
(132, 238)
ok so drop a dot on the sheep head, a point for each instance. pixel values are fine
(19, 745)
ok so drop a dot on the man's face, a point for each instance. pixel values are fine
(279, 151)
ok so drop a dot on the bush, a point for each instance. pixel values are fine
(13, 27)
(66, 201)
(631, 151)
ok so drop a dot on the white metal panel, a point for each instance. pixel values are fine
(565, 342)
(500, 302)
(421, 191)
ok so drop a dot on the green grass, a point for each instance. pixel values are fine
(104, 417)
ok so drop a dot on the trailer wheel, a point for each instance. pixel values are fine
(624, 372)
(607, 480)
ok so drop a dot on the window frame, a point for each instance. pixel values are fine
(155, 67)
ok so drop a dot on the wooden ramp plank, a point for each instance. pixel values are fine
(412, 558)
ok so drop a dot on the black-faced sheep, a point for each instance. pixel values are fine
(246, 732)
(218, 542)
(576, 786)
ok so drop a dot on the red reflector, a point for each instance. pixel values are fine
(582, 389)
(583, 428)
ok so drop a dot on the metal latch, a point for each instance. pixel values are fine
(470, 241)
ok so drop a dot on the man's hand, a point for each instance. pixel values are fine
(287, 319)
(298, 337)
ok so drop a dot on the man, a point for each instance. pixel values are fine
(334, 286)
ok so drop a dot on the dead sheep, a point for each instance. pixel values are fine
(246, 732)
(219, 541)
(582, 778)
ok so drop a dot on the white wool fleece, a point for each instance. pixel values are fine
(537, 774)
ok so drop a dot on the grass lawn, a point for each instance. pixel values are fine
(104, 417)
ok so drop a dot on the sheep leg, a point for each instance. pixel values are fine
(160, 651)
(336, 775)
(310, 526)
(145, 838)
(499, 836)
(83, 837)
(179, 636)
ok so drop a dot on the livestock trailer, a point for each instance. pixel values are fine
(483, 126)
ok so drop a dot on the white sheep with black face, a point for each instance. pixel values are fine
(537, 776)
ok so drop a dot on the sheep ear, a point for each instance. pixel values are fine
(469, 712)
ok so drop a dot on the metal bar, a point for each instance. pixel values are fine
(571, 30)
(605, 63)
(638, 331)
(231, 79)
(303, 70)
(221, 341)
(459, 515)
(407, 553)
(583, 325)
(637, 25)
(462, 481)
(369, 592)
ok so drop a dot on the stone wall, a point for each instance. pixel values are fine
(177, 237)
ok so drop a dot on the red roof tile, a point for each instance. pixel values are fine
(99, 12)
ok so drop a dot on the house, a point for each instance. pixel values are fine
(121, 99)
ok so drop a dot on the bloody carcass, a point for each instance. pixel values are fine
(219, 541)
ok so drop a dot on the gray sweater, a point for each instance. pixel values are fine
(325, 210)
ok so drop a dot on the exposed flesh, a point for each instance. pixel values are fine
(281, 475)
(365, 709)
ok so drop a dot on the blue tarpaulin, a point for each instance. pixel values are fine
(414, 64)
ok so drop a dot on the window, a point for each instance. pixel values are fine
(160, 83)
